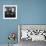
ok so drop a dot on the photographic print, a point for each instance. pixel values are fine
(33, 32)
(9, 11)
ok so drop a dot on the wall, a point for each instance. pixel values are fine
(29, 12)
(34, 12)
(7, 26)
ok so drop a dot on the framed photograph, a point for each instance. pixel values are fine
(9, 11)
